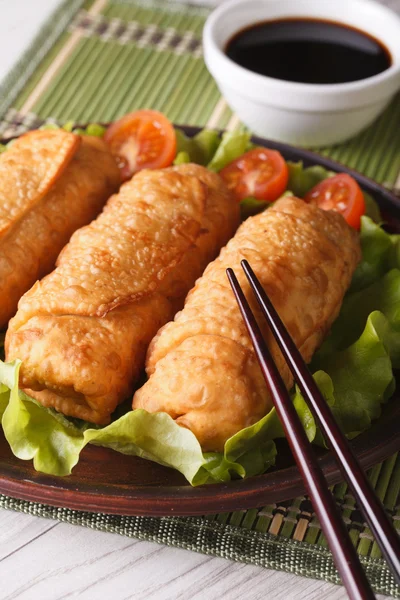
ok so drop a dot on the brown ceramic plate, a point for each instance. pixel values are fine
(105, 481)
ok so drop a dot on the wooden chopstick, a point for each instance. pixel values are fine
(369, 503)
(344, 553)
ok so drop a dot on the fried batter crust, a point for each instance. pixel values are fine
(304, 258)
(29, 168)
(83, 331)
(52, 183)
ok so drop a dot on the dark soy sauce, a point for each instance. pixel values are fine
(308, 51)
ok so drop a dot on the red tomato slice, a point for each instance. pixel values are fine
(342, 194)
(144, 139)
(260, 173)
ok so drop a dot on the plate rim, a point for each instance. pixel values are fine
(185, 500)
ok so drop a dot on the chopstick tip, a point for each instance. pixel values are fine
(245, 265)
(233, 280)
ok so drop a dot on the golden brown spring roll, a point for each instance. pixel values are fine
(51, 183)
(83, 331)
(202, 366)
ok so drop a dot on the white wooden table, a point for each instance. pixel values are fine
(47, 560)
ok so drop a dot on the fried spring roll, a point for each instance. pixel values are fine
(202, 366)
(51, 183)
(83, 331)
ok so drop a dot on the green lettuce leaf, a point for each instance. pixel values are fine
(198, 149)
(233, 144)
(380, 253)
(362, 375)
(382, 295)
(34, 432)
(182, 158)
(301, 179)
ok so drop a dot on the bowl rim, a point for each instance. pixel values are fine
(229, 66)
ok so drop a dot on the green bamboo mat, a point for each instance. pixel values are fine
(96, 60)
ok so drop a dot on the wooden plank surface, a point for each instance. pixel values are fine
(46, 560)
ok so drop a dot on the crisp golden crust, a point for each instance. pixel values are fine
(83, 331)
(304, 258)
(29, 168)
(31, 244)
(84, 366)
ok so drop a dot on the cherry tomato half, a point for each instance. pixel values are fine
(144, 139)
(260, 173)
(342, 194)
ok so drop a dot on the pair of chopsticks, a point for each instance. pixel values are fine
(344, 553)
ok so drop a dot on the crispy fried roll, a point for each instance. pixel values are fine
(51, 183)
(202, 367)
(83, 331)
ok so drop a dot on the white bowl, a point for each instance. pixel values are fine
(306, 114)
